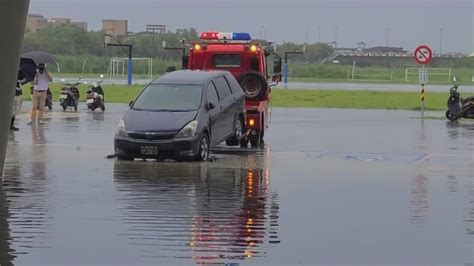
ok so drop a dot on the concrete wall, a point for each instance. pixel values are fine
(12, 24)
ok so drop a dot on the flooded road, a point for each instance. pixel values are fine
(330, 187)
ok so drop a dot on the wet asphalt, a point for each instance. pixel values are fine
(331, 186)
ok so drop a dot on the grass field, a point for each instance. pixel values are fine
(302, 98)
(357, 99)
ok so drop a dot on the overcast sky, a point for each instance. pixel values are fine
(410, 22)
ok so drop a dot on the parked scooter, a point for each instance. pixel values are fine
(95, 96)
(49, 98)
(69, 97)
(457, 106)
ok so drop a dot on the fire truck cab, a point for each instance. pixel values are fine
(247, 60)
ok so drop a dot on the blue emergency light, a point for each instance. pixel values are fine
(241, 36)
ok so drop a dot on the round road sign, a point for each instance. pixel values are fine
(423, 54)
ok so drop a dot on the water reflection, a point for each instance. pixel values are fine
(460, 129)
(452, 184)
(469, 217)
(419, 200)
(26, 194)
(203, 212)
(6, 257)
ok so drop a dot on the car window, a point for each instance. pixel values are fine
(234, 84)
(169, 97)
(212, 96)
(227, 60)
(222, 87)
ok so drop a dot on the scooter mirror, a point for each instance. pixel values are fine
(455, 79)
(101, 76)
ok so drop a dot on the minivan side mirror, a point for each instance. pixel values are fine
(210, 106)
(170, 69)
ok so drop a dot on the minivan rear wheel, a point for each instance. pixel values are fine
(234, 140)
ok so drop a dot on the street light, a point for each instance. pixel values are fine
(388, 35)
(130, 58)
(441, 42)
(286, 63)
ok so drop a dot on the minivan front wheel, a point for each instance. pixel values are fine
(204, 148)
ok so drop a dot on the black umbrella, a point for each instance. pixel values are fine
(40, 57)
(28, 68)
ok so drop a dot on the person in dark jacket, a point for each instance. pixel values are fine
(17, 100)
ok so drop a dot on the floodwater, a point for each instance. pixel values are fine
(331, 186)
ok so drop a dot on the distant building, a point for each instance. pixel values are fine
(35, 23)
(117, 28)
(82, 25)
(160, 29)
(361, 45)
(361, 50)
(384, 50)
(57, 22)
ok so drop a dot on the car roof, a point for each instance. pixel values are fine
(188, 77)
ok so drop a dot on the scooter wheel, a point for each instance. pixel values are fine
(75, 108)
(102, 108)
(450, 116)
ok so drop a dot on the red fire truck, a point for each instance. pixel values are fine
(247, 60)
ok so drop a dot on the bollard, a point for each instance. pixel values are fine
(422, 98)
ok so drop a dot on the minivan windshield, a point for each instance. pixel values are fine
(169, 97)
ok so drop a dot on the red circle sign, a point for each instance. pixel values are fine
(423, 54)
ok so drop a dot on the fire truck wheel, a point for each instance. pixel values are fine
(254, 84)
(256, 140)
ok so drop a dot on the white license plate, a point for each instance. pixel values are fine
(63, 96)
(149, 150)
(90, 101)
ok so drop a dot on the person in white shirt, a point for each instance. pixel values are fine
(40, 87)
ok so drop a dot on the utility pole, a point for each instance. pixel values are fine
(388, 35)
(441, 42)
(307, 34)
(319, 33)
(130, 55)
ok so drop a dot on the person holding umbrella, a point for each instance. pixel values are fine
(40, 87)
(41, 80)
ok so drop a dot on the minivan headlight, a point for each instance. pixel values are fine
(188, 131)
(121, 129)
